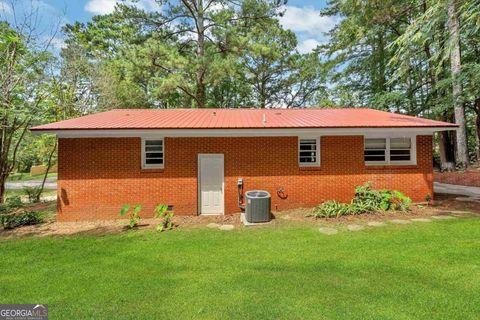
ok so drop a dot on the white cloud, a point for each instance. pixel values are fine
(58, 43)
(100, 6)
(306, 20)
(5, 8)
(107, 6)
(307, 45)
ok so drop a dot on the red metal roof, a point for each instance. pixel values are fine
(240, 119)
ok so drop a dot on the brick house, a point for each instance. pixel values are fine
(192, 159)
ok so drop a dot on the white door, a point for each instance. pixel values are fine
(210, 183)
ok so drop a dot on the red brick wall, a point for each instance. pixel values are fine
(97, 176)
(467, 178)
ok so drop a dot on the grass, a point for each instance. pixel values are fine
(416, 271)
(20, 176)
(21, 192)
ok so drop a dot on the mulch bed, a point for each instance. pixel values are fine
(443, 205)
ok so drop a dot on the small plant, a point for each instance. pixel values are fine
(428, 198)
(133, 215)
(161, 211)
(33, 193)
(330, 209)
(366, 200)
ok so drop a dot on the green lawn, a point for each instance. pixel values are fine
(416, 271)
(26, 176)
(21, 192)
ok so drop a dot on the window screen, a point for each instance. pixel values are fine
(308, 152)
(388, 150)
(375, 149)
(153, 153)
(400, 149)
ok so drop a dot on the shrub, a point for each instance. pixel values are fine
(11, 204)
(9, 210)
(29, 218)
(366, 200)
(161, 211)
(12, 220)
(133, 215)
(33, 193)
(330, 209)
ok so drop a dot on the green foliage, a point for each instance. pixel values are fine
(331, 209)
(24, 78)
(161, 58)
(8, 212)
(395, 55)
(34, 150)
(428, 198)
(366, 200)
(161, 212)
(133, 215)
(33, 193)
(12, 220)
(11, 205)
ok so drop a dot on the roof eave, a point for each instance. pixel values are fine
(72, 133)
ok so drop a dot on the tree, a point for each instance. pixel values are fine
(276, 72)
(359, 55)
(456, 63)
(196, 54)
(23, 77)
(404, 56)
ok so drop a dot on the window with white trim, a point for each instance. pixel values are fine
(309, 152)
(392, 150)
(152, 153)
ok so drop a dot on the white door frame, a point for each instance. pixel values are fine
(199, 190)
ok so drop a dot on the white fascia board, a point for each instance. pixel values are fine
(121, 133)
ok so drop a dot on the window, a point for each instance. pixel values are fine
(152, 153)
(375, 150)
(398, 150)
(309, 151)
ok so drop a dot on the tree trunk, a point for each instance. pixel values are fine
(3, 179)
(476, 108)
(477, 138)
(455, 64)
(49, 165)
(200, 74)
(447, 157)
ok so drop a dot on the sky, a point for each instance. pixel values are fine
(301, 16)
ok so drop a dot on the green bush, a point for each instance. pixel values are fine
(366, 200)
(330, 209)
(12, 220)
(9, 210)
(374, 200)
(29, 218)
(11, 204)
(33, 193)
